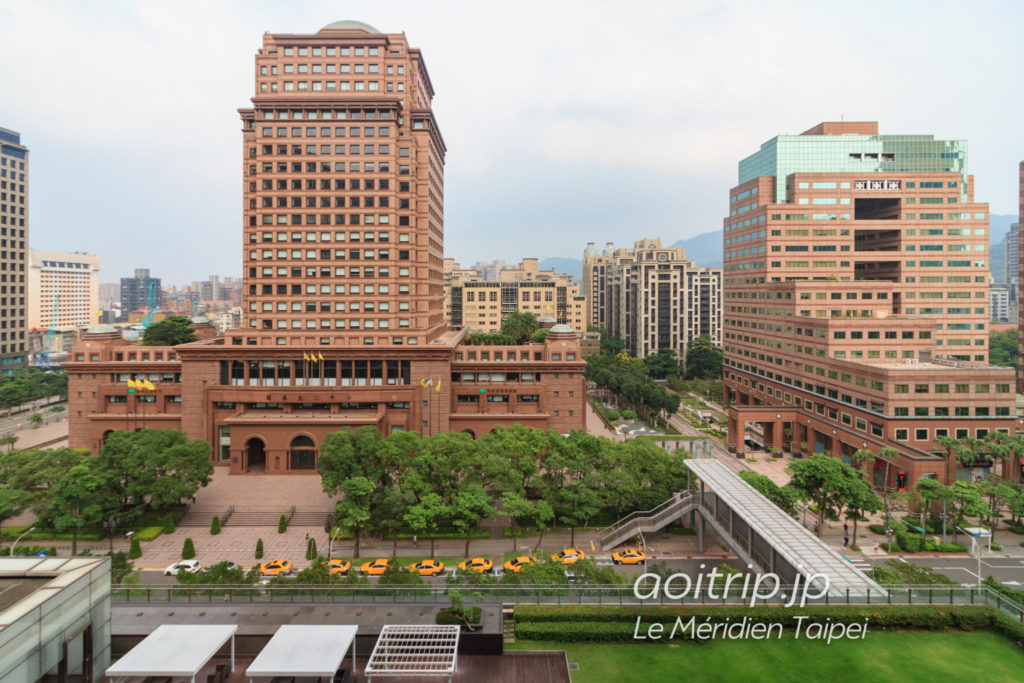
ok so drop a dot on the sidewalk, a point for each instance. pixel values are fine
(56, 427)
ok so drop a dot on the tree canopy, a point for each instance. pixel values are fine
(169, 332)
(703, 360)
(520, 325)
(627, 377)
(1002, 347)
(451, 482)
(30, 384)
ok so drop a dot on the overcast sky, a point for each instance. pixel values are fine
(566, 121)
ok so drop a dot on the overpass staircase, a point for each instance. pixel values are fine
(648, 521)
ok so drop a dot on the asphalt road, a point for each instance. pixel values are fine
(691, 566)
(1009, 570)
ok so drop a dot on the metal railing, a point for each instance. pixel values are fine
(646, 520)
(551, 594)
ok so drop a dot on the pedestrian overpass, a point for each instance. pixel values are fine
(757, 530)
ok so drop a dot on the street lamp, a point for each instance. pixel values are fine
(975, 544)
(330, 543)
(30, 530)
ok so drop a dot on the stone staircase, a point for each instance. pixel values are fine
(508, 624)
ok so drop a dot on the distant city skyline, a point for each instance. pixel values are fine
(626, 126)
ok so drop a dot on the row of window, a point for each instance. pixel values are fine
(326, 254)
(330, 372)
(326, 307)
(330, 69)
(326, 219)
(326, 272)
(329, 236)
(326, 131)
(899, 411)
(498, 398)
(328, 323)
(267, 150)
(327, 115)
(331, 51)
(317, 86)
(325, 202)
(339, 167)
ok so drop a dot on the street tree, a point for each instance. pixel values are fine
(823, 481)
(967, 501)
(470, 505)
(153, 468)
(931, 491)
(859, 499)
(785, 497)
(75, 502)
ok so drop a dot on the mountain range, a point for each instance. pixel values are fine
(705, 250)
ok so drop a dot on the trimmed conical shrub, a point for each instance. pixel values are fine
(188, 551)
(259, 548)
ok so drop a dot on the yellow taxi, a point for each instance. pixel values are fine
(339, 566)
(476, 564)
(427, 567)
(568, 556)
(517, 563)
(275, 568)
(375, 567)
(629, 556)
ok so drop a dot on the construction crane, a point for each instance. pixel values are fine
(151, 304)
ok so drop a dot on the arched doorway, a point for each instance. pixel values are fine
(470, 432)
(106, 435)
(302, 454)
(255, 454)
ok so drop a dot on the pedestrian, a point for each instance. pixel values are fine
(414, 544)
(307, 538)
(876, 546)
(193, 500)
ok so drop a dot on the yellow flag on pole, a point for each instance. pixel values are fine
(438, 387)
(423, 382)
(305, 356)
(321, 356)
(131, 384)
(149, 386)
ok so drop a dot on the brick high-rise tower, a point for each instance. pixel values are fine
(344, 192)
(343, 300)
(856, 300)
(14, 231)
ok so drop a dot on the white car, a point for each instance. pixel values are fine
(190, 566)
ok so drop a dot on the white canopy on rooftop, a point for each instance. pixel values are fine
(298, 650)
(175, 650)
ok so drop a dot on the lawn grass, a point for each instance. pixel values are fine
(881, 656)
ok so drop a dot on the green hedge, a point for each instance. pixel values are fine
(877, 529)
(594, 623)
(28, 550)
(12, 533)
(1012, 593)
(148, 533)
(445, 617)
